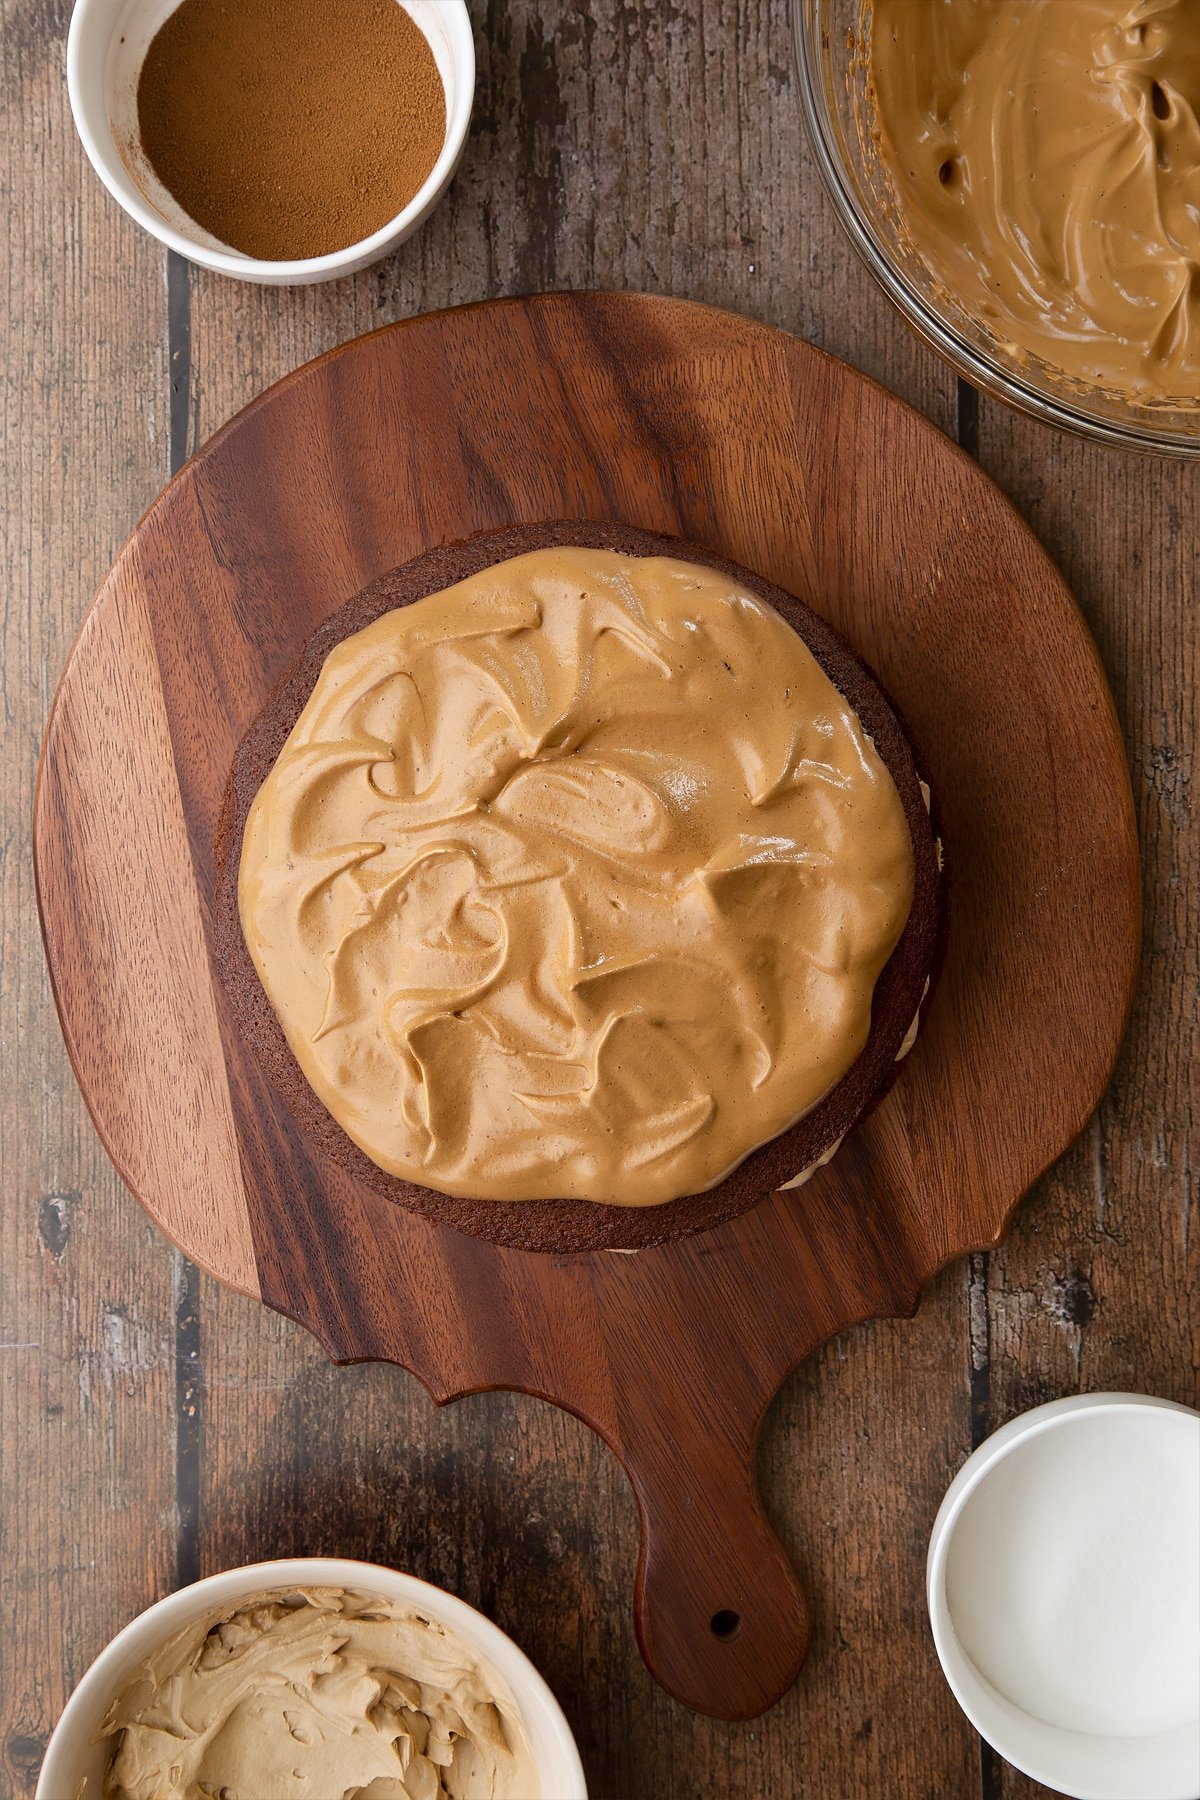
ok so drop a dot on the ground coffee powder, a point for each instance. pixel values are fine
(291, 128)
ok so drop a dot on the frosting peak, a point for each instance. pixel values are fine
(574, 881)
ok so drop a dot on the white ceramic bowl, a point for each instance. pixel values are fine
(1165, 1766)
(106, 46)
(71, 1754)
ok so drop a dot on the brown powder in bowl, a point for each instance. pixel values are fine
(291, 128)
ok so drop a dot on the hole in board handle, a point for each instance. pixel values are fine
(725, 1624)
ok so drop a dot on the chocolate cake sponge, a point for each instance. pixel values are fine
(565, 1226)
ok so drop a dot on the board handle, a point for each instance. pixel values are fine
(721, 1619)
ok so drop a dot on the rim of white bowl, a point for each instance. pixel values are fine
(951, 1654)
(530, 1689)
(105, 158)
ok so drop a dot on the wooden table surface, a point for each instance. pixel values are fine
(154, 1427)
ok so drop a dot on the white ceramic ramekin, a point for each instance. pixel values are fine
(71, 1754)
(106, 46)
(1161, 1767)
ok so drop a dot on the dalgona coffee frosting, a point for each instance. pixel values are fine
(316, 1695)
(574, 880)
(1045, 160)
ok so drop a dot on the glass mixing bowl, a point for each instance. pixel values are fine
(831, 63)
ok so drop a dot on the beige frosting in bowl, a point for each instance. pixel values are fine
(574, 881)
(316, 1695)
(1044, 156)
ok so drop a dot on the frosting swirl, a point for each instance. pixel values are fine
(316, 1695)
(574, 881)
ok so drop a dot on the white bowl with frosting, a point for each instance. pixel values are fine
(289, 1677)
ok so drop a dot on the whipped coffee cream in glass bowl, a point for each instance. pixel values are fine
(1019, 178)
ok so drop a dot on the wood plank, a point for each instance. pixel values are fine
(87, 1340)
(1098, 1287)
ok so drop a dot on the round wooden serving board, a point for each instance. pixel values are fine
(679, 419)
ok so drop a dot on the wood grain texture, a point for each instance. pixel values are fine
(141, 1010)
(87, 1301)
(625, 143)
(1098, 1287)
(675, 418)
